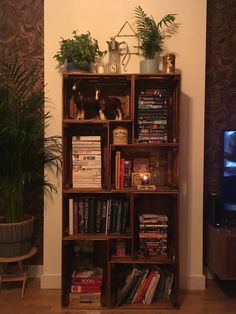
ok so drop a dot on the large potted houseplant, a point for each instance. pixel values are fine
(151, 35)
(24, 153)
(78, 52)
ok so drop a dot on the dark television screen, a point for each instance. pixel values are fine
(229, 171)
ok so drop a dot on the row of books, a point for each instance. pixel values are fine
(122, 171)
(153, 116)
(86, 286)
(153, 234)
(86, 162)
(145, 285)
(88, 214)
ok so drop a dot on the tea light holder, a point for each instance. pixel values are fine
(145, 179)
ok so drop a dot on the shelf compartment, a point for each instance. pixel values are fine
(156, 237)
(91, 92)
(76, 256)
(160, 162)
(127, 288)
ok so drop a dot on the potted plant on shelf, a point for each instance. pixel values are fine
(24, 153)
(78, 52)
(151, 35)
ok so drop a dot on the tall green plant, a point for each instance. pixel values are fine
(24, 150)
(151, 33)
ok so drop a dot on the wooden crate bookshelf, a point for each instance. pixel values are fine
(146, 101)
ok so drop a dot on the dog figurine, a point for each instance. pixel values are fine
(98, 107)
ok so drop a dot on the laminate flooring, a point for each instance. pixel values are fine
(214, 299)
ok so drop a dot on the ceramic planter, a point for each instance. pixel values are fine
(148, 66)
(15, 238)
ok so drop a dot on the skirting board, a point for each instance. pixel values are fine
(47, 281)
(50, 281)
(193, 282)
(53, 281)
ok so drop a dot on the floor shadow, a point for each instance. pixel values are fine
(228, 287)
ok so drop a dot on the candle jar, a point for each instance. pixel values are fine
(145, 179)
(120, 135)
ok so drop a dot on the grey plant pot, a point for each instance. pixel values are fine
(82, 67)
(15, 238)
(148, 66)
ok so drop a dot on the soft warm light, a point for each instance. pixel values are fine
(145, 179)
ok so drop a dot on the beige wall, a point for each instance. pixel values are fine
(104, 19)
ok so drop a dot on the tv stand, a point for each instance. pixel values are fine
(221, 251)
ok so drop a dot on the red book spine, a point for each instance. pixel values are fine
(122, 170)
(85, 289)
(144, 289)
(87, 281)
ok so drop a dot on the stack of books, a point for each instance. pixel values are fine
(153, 116)
(86, 162)
(153, 234)
(86, 288)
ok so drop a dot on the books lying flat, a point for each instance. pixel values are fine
(85, 288)
(86, 299)
(89, 277)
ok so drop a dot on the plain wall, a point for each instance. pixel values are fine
(104, 19)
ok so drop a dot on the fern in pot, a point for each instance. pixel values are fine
(25, 151)
(151, 35)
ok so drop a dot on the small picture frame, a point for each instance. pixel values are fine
(138, 176)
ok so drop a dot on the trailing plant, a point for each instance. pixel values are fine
(25, 150)
(80, 50)
(151, 34)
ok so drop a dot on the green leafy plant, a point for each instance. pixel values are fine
(79, 50)
(151, 33)
(24, 148)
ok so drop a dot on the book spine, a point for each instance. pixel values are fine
(86, 214)
(104, 216)
(125, 213)
(108, 215)
(98, 215)
(122, 170)
(85, 289)
(117, 170)
(145, 287)
(81, 215)
(92, 215)
(71, 216)
(94, 281)
(75, 216)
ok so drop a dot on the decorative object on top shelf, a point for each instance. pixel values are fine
(24, 154)
(116, 49)
(151, 36)
(78, 52)
(169, 63)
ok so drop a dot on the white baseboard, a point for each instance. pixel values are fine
(50, 281)
(53, 281)
(193, 282)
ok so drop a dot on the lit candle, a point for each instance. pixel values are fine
(145, 179)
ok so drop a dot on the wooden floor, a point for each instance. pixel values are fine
(214, 300)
